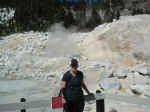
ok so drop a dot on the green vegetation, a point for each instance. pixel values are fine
(38, 15)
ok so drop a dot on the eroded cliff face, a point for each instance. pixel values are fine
(125, 41)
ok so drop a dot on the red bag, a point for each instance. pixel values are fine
(57, 102)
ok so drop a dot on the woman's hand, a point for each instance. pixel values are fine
(63, 100)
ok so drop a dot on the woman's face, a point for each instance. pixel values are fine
(74, 69)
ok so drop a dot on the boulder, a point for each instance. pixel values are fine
(137, 89)
(109, 83)
(113, 110)
(142, 69)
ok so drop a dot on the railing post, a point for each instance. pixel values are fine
(100, 105)
(23, 100)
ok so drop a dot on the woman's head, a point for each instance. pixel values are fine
(74, 65)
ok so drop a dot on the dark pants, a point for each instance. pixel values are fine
(74, 106)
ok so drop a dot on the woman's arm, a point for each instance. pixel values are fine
(85, 87)
(63, 86)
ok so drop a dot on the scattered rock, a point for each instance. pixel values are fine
(125, 87)
(142, 69)
(110, 83)
(121, 73)
(136, 91)
(113, 110)
(21, 57)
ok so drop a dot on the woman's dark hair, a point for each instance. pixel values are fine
(74, 63)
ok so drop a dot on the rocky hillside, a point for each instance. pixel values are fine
(114, 57)
(122, 42)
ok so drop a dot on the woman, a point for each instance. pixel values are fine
(72, 84)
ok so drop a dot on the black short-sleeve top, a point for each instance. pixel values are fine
(73, 88)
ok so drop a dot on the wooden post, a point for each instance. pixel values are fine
(23, 100)
(100, 105)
